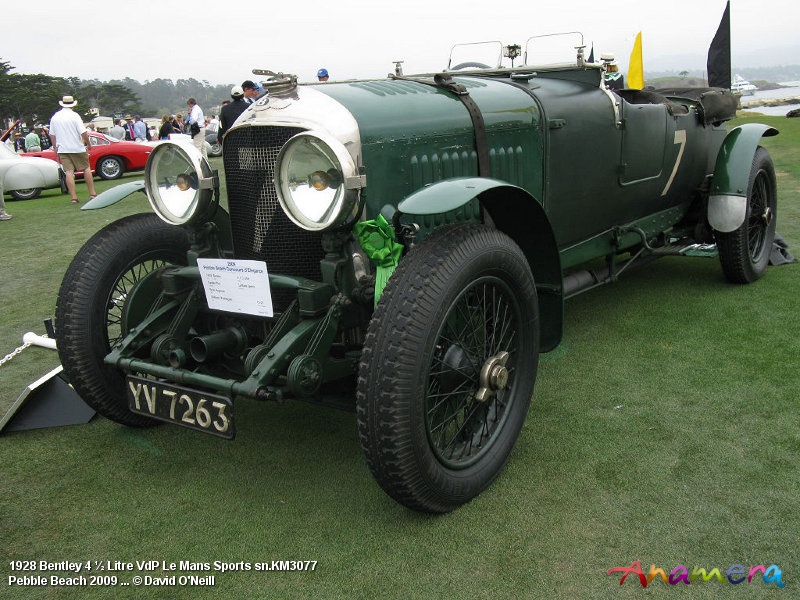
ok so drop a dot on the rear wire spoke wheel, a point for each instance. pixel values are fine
(93, 301)
(744, 252)
(448, 368)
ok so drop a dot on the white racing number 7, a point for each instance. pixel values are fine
(680, 138)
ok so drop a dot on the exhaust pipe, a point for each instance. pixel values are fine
(205, 347)
(580, 281)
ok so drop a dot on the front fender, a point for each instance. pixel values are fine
(119, 192)
(114, 195)
(445, 196)
(516, 213)
(727, 202)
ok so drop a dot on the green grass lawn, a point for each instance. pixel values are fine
(665, 429)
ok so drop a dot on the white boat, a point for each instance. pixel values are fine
(741, 86)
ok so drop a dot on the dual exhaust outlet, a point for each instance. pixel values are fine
(204, 348)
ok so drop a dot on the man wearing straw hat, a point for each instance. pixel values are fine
(71, 142)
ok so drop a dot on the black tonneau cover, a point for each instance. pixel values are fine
(717, 104)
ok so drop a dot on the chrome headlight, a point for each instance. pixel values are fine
(317, 181)
(180, 184)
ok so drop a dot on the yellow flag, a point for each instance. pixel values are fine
(635, 67)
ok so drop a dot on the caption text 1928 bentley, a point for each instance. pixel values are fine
(406, 244)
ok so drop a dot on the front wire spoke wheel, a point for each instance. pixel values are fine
(119, 295)
(479, 326)
(94, 307)
(448, 367)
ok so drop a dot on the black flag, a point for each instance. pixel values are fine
(719, 53)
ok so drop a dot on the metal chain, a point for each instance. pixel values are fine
(8, 357)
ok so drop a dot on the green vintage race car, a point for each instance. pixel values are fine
(403, 247)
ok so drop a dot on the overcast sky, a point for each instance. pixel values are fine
(221, 42)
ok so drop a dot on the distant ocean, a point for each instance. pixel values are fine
(791, 90)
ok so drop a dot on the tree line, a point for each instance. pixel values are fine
(34, 98)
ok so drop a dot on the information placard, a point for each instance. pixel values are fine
(240, 286)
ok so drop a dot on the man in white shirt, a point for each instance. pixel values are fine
(197, 126)
(213, 124)
(71, 142)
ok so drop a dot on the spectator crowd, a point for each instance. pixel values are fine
(134, 128)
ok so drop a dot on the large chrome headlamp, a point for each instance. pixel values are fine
(317, 181)
(180, 184)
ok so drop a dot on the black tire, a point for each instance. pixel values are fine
(744, 253)
(110, 167)
(216, 149)
(459, 299)
(90, 305)
(26, 194)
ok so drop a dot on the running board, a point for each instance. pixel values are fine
(687, 248)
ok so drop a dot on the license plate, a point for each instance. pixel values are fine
(195, 409)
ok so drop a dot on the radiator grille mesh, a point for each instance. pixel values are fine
(261, 230)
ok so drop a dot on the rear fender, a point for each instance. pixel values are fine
(516, 213)
(23, 177)
(727, 202)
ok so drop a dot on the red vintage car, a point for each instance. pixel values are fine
(108, 157)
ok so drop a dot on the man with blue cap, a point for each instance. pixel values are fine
(251, 91)
(322, 74)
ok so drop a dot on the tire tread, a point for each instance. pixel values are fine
(101, 259)
(394, 334)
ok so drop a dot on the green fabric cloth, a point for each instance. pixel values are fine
(32, 141)
(378, 240)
